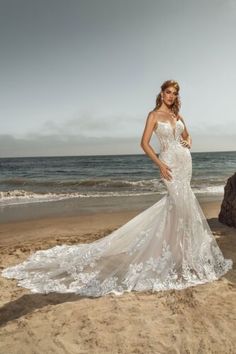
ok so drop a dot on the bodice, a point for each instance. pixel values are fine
(167, 135)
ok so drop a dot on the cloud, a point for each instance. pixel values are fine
(205, 128)
(124, 125)
(90, 125)
(65, 145)
(88, 135)
(75, 145)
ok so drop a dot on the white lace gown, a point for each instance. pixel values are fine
(167, 246)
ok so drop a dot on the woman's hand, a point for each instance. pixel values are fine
(185, 143)
(165, 171)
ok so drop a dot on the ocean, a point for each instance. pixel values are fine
(43, 179)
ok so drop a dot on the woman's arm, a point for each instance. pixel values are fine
(147, 133)
(187, 140)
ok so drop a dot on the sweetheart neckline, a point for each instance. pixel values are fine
(167, 122)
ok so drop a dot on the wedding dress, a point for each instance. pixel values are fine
(169, 245)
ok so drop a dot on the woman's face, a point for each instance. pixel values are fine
(169, 95)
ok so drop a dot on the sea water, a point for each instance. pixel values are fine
(45, 179)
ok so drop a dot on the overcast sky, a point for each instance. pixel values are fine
(78, 77)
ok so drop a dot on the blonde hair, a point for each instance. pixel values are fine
(176, 105)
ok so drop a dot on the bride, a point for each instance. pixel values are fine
(167, 246)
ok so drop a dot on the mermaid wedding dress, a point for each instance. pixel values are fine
(167, 246)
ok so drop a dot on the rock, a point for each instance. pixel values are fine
(227, 213)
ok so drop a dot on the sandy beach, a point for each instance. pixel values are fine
(200, 319)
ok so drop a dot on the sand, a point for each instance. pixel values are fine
(199, 319)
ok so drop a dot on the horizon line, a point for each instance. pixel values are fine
(193, 152)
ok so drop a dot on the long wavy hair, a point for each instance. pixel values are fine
(177, 104)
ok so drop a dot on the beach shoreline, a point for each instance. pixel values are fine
(86, 206)
(24, 218)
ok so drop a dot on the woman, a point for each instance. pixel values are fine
(167, 246)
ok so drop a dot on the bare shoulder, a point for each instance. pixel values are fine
(152, 118)
(181, 118)
(151, 114)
